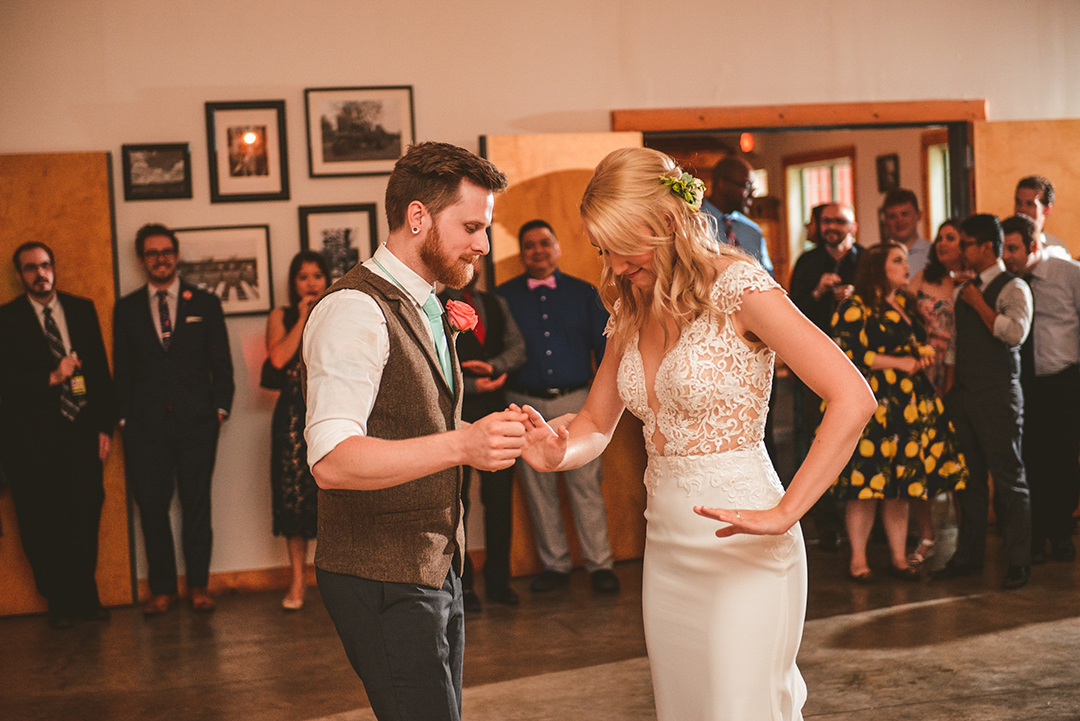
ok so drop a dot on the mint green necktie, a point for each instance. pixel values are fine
(434, 314)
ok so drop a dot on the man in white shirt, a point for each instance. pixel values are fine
(385, 439)
(1035, 199)
(902, 217)
(984, 397)
(1050, 376)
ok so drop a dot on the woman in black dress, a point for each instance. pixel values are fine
(294, 489)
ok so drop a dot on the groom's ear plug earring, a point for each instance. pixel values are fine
(415, 230)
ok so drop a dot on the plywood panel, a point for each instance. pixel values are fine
(548, 174)
(1008, 151)
(63, 199)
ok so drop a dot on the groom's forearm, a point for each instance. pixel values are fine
(363, 463)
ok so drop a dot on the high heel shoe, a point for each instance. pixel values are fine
(923, 551)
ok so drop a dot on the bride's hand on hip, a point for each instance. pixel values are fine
(545, 446)
(743, 520)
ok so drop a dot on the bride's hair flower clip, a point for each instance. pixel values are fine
(687, 187)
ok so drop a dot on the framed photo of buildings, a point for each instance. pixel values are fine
(344, 234)
(357, 131)
(247, 150)
(160, 171)
(232, 262)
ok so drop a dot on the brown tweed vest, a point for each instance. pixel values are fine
(410, 533)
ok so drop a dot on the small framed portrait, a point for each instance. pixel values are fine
(888, 172)
(160, 171)
(248, 154)
(357, 131)
(232, 262)
(344, 234)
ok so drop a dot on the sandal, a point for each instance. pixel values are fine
(923, 551)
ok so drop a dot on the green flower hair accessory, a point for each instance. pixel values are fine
(687, 187)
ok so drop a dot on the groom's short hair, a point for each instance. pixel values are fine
(431, 173)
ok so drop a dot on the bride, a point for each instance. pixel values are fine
(693, 329)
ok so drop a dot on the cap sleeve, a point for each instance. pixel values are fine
(739, 278)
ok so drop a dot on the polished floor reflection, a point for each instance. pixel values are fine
(890, 650)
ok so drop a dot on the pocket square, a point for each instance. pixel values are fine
(193, 319)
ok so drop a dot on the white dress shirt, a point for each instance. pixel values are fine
(171, 299)
(1013, 306)
(346, 346)
(1055, 286)
(58, 316)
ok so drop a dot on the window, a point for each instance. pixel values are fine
(823, 177)
(938, 194)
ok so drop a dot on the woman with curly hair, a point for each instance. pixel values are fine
(693, 331)
(908, 450)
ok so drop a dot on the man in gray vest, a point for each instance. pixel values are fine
(386, 443)
(982, 375)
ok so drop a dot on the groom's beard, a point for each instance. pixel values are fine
(452, 272)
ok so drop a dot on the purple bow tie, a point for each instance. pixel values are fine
(547, 282)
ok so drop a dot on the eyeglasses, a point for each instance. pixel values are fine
(155, 254)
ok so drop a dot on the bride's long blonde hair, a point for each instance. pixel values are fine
(628, 210)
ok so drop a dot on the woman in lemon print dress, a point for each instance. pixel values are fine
(908, 450)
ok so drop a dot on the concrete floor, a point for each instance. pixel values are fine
(892, 650)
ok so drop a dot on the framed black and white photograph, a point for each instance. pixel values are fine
(344, 234)
(232, 262)
(888, 172)
(160, 171)
(248, 154)
(357, 131)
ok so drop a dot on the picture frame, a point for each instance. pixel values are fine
(232, 262)
(888, 172)
(357, 131)
(156, 171)
(247, 150)
(344, 234)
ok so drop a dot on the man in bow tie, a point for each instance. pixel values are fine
(562, 320)
(174, 382)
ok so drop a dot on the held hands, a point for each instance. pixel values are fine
(495, 441)
(545, 445)
(742, 520)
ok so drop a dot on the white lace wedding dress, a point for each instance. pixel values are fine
(723, 617)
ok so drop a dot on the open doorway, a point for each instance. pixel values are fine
(798, 169)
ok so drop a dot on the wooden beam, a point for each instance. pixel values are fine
(924, 112)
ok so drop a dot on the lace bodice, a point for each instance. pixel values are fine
(712, 388)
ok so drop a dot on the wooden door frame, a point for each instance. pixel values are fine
(955, 115)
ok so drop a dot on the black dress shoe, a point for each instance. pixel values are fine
(58, 622)
(548, 581)
(1064, 552)
(502, 595)
(471, 601)
(956, 570)
(1039, 557)
(604, 581)
(1017, 577)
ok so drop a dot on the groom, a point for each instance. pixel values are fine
(386, 442)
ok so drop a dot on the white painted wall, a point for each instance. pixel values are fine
(89, 75)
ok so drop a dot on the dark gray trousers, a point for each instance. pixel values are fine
(988, 424)
(405, 642)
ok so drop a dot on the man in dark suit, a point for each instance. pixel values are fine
(487, 354)
(174, 382)
(56, 420)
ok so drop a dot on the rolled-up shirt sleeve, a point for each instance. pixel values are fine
(345, 347)
(1014, 307)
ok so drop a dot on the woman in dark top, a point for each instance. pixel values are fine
(294, 489)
